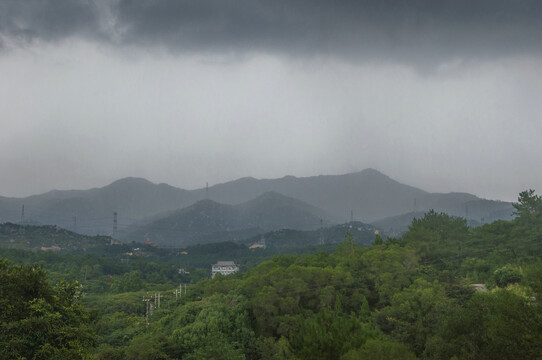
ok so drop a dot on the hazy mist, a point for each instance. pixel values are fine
(441, 95)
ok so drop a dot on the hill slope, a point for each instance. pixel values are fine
(27, 237)
(208, 221)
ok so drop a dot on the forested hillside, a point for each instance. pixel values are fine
(440, 291)
(15, 236)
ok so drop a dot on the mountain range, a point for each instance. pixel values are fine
(243, 204)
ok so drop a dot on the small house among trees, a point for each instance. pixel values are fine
(224, 268)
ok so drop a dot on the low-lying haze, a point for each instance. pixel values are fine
(440, 95)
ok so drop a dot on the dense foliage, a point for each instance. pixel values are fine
(402, 298)
(39, 320)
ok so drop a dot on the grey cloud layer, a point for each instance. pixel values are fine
(47, 20)
(418, 31)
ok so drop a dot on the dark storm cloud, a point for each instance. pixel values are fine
(47, 20)
(411, 30)
(419, 31)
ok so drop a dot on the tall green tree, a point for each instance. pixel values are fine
(438, 238)
(39, 320)
(529, 205)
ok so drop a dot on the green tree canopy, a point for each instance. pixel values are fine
(529, 205)
(39, 320)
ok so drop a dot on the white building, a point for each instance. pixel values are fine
(224, 268)
(260, 244)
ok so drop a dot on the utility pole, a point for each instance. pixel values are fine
(157, 300)
(147, 308)
(207, 190)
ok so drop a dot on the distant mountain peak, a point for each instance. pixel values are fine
(372, 171)
(131, 181)
(275, 196)
(204, 204)
(272, 194)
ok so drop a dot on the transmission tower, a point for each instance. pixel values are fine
(321, 232)
(114, 224)
(21, 229)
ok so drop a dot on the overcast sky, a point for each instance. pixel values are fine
(443, 95)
